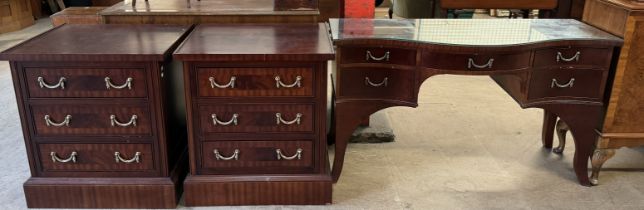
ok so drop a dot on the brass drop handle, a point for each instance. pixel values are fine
(60, 84)
(214, 84)
(235, 155)
(279, 120)
(65, 122)
(560, 57)
(471, 63)
(384, 82)
(216, 121)
(280, 156)
(279, 83)
(71, 158)
(127, 84)
(555, 83)
(370, 56)
(115, 122)
(119, 159)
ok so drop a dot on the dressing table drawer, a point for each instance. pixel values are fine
(258, 156)
(384, 55)
(256, 118)
(476, 61)
(96, 157)
(376, 83)
(89, 119)
(255, 82)
(86, 83)
(575, 56)
(576, 83)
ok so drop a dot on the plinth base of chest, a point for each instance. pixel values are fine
(102, 192)
(230, 190)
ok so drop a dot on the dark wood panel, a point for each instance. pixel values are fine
(96, 157)
(101, 42)
(101, 193)
(257, 42)
(476, 61)
(256, 118)
(86, 82)
(583, 57)
(92, 119)
(257, 157)
(516, 85)
(575, 83)
(254, 82)
(385, 83)
(200, 191)
(383, 55)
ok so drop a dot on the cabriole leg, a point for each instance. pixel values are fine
(600, 156)
(561, 128)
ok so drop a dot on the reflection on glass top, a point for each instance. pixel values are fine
(478, 32)
(210, 7)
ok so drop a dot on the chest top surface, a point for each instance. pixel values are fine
(99, 43)
(470, 32)
(259, 42)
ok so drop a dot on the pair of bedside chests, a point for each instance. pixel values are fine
(115, 116)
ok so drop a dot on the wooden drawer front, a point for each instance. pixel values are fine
(378, 83)
(378, 55)
(476, 61)
(583, 83)
(96, 157)
(253, 118)
(252, 82)
(262, 156)
(43, 82)
(599, 57)
(91, 120)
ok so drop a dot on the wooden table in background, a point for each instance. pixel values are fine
(212, 11)
(78, 15)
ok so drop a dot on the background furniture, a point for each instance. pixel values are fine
(256, 97)
(625, 114)
(536, 64)
(213, 11)
(358, 9)
(78, 15)
(415, 8)
(95, 116)
(545, 6)
(15, 15)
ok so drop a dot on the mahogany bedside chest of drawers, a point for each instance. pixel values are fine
(97, 128)
(256, 106)
(562, 66)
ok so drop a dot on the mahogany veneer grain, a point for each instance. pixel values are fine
(84, 56)
(255, 54)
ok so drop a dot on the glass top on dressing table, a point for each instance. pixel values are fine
(469, 32)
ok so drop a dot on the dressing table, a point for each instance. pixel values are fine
(559, 65)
